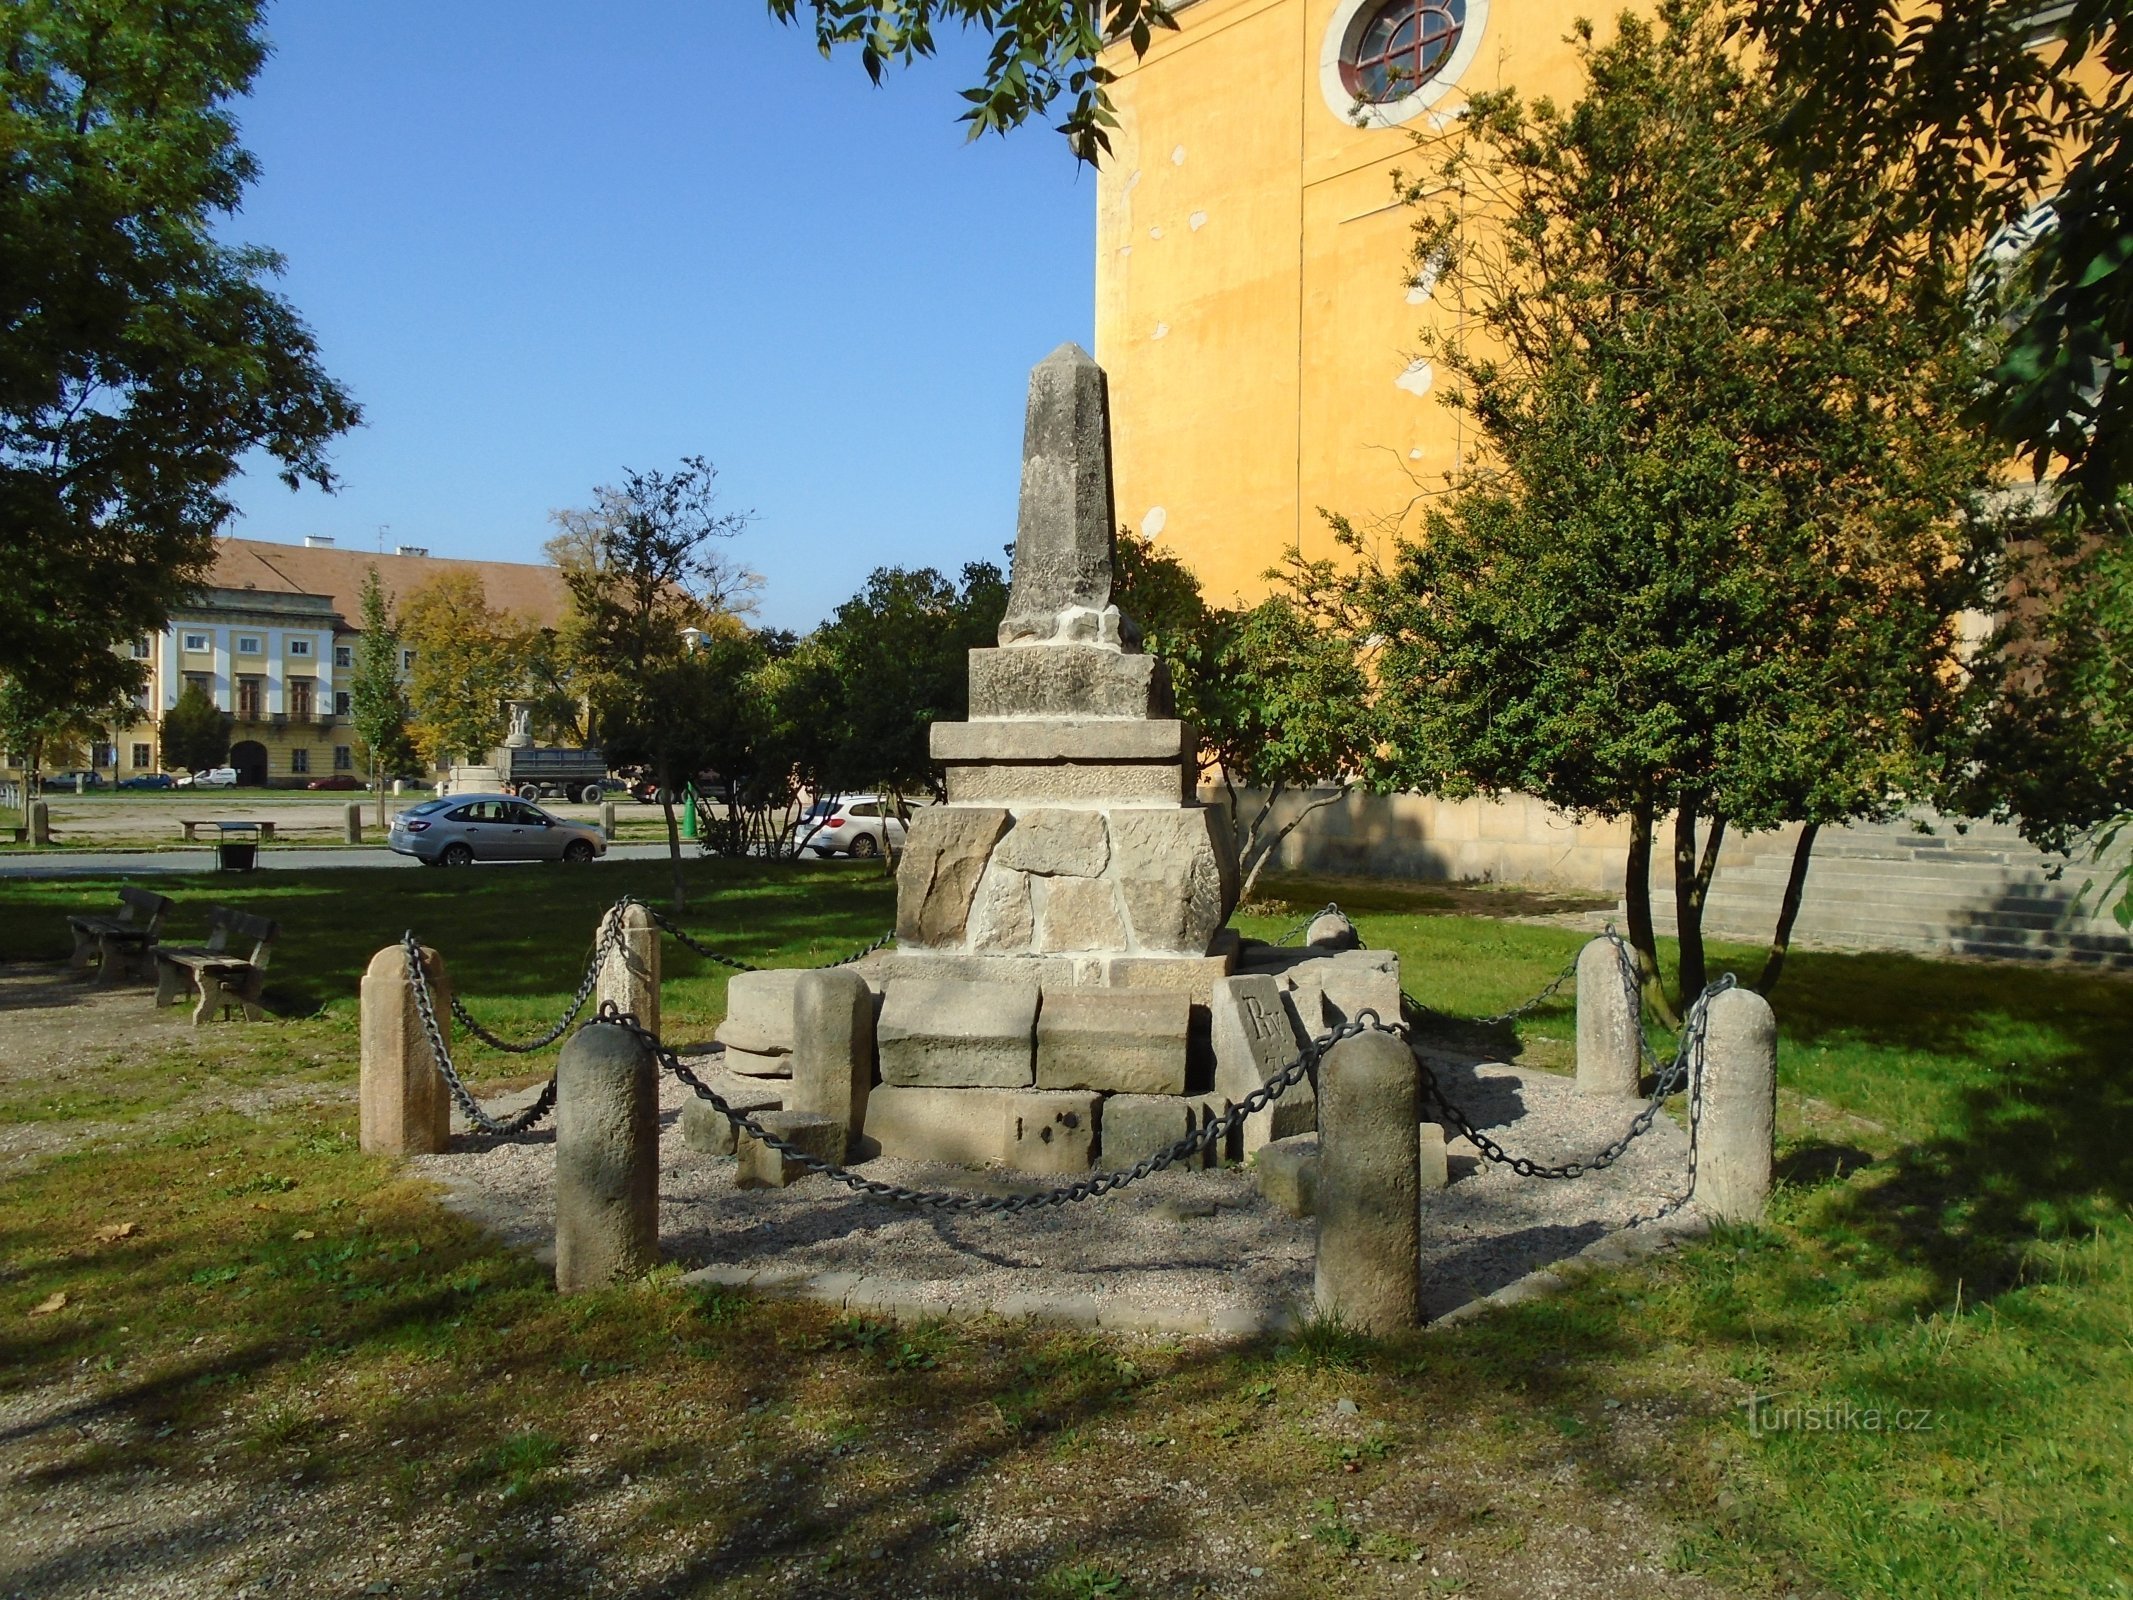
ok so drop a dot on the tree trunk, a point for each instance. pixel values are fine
(1788, 909)
(666, 804)
(1688, 903)
(1259, 854)
(1637, 898)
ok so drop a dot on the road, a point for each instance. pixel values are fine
(157, 863)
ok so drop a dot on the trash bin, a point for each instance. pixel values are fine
(237, 855)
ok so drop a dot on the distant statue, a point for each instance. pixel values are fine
(521, 734)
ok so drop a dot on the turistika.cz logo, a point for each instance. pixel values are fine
(1767, 1415)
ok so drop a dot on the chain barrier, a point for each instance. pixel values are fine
(684, 937)
(603, 946)
(1331, 907)
(426, 1009)
(1200, 1139)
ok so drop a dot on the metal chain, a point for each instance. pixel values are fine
(426, 1008)
(1200, 1139)
(735, 962)
(1685, 1070)
(1516, 1013)
(603, 947)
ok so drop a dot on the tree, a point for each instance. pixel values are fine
(377, 705)
(143, 357)
(468, 660)
(654, 608)
(1963, 120)
(1039, 52)
(196, 733)
(1275, 694)
(899, 654)
(1714, 566)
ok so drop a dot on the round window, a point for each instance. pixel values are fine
(1403, 45)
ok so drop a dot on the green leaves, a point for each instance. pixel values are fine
(1041, 51)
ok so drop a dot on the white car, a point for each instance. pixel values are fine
(210, 778)
(858, 825)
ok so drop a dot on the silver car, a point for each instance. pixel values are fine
(459, 830)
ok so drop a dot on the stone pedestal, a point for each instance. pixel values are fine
(404, 1108)
(1609, 1062)
(1737, 1131)
(629, 973)
(1369, 1270)
(606, 1159)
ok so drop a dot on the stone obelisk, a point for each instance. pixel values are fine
(1072, 851)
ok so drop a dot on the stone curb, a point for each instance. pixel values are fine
(904, 1300)
(1624, 1247)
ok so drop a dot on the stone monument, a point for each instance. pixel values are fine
(1061, 990)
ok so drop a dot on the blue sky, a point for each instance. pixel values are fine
(544, 242)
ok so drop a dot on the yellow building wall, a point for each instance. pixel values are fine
(1254, 306)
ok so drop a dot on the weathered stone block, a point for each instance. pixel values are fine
(759, 1011)
(1068, 681)
(1128, 1041)
(1369, 1268)
(1060, 739)
(1047, 1132)
(1193, 976)
(606, 1158)
(1171, 873)
(751, 1065)
(962, 1127)
(1436, 1164)
(1079, 914)
(1361, 980)
(943, 860)
(1255, 1039)
(1065, 527)
(1286, 1172)
(759, 1166)
(961, 967)
(1060, 783)
(1136, 1126)
(403, 1105)
(1330, 930)
(957, 1034)
(1738, 1130)
(833, 1047)
(708, 1131)
(1002, 920)
(629, 976)
(1610, 1063)
(1052, 842)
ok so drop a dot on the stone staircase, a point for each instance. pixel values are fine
(1887, 886)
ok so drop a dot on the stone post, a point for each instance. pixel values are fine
(606, 1159)
(1369, 1184)
(352, 823)
(630, 974)
(398, 786)
(1609, 1063)
(40, 820)
(404, 1107)
(832, 1047)
(1736, 1132)
(607, 819)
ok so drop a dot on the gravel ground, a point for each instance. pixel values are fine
(1190, 1244)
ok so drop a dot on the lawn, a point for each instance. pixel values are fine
(291, 1336)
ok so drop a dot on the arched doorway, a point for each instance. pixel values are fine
(249, 757)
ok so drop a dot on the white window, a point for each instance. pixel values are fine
(248, 644)
(344, 655)
(142, 649)
(299, 647)
(341, 702)
(299, 760)
(196, 641)
(141, 756)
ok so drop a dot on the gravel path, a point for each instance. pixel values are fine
(1186, 1248)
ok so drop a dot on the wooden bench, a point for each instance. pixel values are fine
(222, 826)
(116, 944)
(220, 975)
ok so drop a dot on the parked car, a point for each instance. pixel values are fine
(459, 830)
(87, 777)
(210, 778)
(149, 780)
(337, 780)
(857, 825)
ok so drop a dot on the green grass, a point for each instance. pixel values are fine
(1952, 1237)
